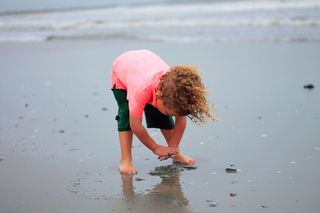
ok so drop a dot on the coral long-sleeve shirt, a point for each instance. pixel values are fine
(138, 72)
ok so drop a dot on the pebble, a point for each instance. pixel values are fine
(233, 194)
(308, 86)
(139, 179)
(231, 170)
(213, 204)
(104, 109)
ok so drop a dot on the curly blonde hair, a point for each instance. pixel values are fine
(182, 90)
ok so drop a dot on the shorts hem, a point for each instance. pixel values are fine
(123, 130)
(159, 127)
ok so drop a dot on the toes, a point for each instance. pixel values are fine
(192, 162)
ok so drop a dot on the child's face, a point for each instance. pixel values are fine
(163, 109)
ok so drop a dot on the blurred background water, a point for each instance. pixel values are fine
(159, 20)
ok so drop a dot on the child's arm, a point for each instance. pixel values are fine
(176, 136)
(138, 129)
(178, 130)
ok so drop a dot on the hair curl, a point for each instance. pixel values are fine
(182, 90)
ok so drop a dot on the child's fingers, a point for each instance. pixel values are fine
(172, 155)
(163, 157)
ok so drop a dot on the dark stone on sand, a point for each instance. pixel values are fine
(308, 86)
(20, 117)
(213, 205)
(104, 109)
(61, 131)
(1, 159)
(233, 194)
(86, 116)
(168, 170)
(263, 206)
(231, 170)
(259, 117)
(139, 179)
(26, 105)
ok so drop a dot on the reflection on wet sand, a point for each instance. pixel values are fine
(167, 196)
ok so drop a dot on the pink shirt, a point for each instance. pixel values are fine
(139, 73)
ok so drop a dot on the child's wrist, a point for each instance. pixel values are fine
(153, 147)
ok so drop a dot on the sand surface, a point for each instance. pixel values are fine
(58, 141)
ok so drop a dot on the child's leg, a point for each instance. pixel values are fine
(179, 157)
(125, 133)
(126, 166)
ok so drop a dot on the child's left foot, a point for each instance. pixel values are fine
(183, 159)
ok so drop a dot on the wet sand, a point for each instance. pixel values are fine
(58, 141)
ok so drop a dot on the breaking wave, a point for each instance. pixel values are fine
(274, 20)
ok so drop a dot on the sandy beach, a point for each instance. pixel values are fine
(58, 141)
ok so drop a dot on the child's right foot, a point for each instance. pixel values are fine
(183, 159)
(127, 168)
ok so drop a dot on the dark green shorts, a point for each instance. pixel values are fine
(154, 118)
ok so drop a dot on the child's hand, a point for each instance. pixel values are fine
(164, 152)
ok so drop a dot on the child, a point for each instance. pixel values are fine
(142, 81)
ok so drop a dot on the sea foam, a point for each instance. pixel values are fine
(274, 20)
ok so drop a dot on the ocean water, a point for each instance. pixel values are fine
(168, 21)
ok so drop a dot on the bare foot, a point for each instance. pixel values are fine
(127, 168)
(183, 159)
